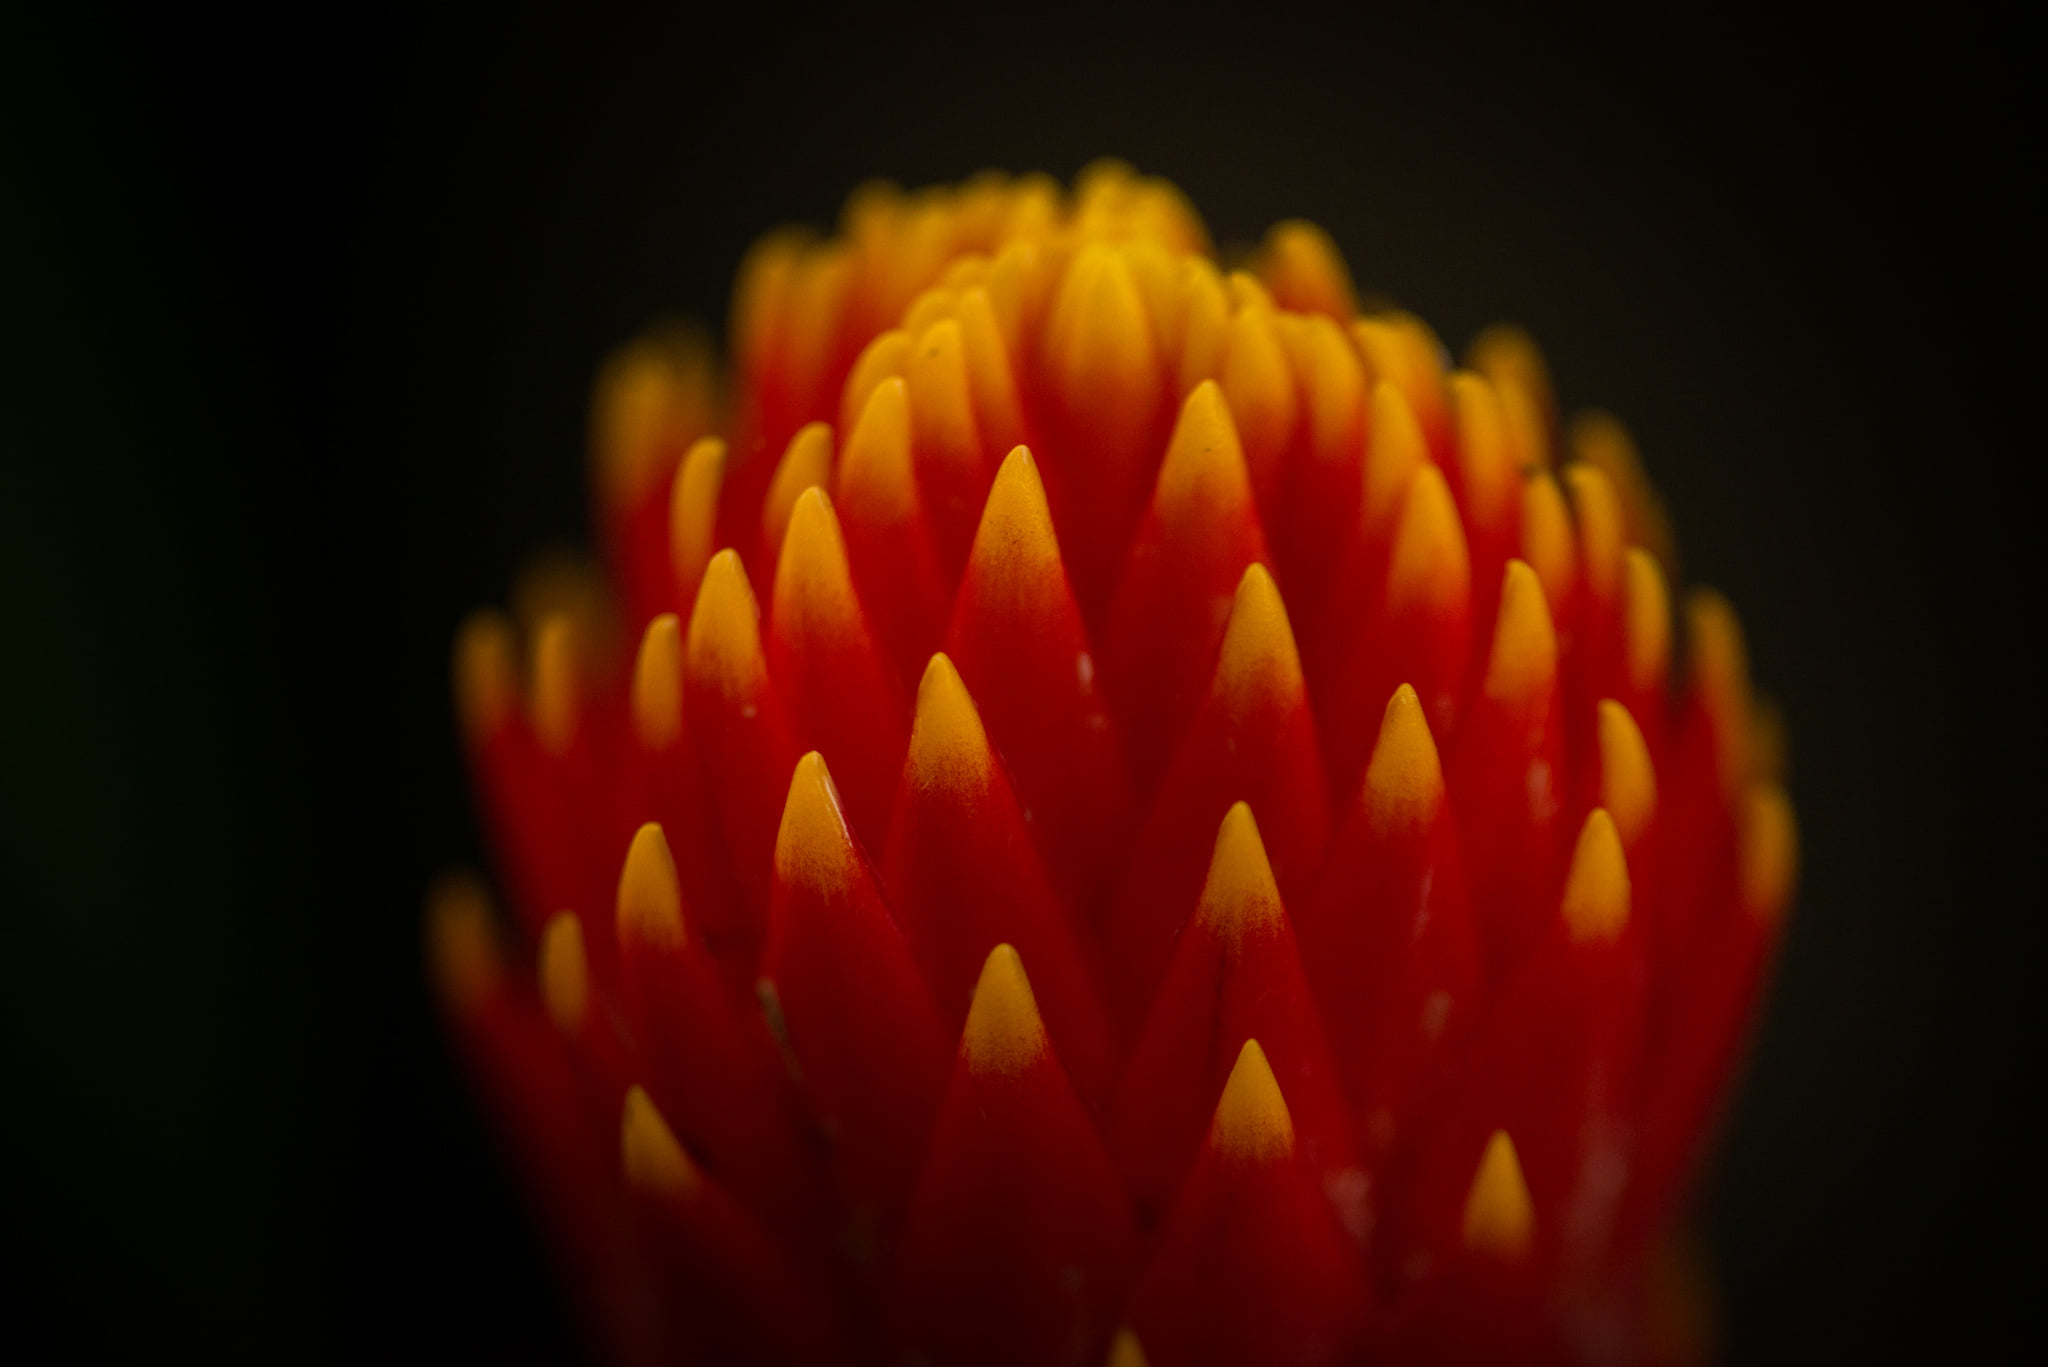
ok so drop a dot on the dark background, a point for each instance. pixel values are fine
(299, 318)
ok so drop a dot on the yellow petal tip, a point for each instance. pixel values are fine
(658, 684)
(1015, 543)
(564, 972)
(1404, 781)
(1523, 661)
(693, 508)
(948, 745)
(555, 701)
(1431, 562)
(1240, 895)
(806, 464)
(1004, 1033)
(486, 674)
(462, 944)
(723, 644)
(649, 1152)
(813, 848)
(1125, 1351)
(1499, 1218)
(1628, 782)
(1252, 1124)
(1596, 891)
(1769, 843)
(650, 900)
(813, 583)
(1259, 661)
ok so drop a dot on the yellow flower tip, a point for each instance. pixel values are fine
(1486, 454)
(564, 972)
(813, 584)
(1511, 361)
(1259, 662)
(1395, 451)
(1547, 542)
(650, 904)
(1124, 1350)
(1601, 441)
(631, 405)
(649, 1152)
(1645, 621)
(486, 674)
(1252, 1124)
(1100, 340)
(1523, 661)
(941, 410)
(1768, 838)
(723, 644)
(813, 847)
(1603, 540)
(658, 684)
(1499, 1220)
(874, 471)
(693, 508)
(1259, 383)
(1404, 781)
(1015, 545)
(651, 392)
(1596, 890)
(1306, 271)
(990, 374)
(1720, 672)
(948, 747)
(806, 464)
(1400, 347)
(554, 698)
(1204, 318)
(885, 358)
(1240, 897)
(462, 943)
(1204, 469)
(1246, 292)
(762, 286)
(930, 307)
(1505, 352)
(1004, 1033)
(1431, 564)
(559, 583)
(1628, 781)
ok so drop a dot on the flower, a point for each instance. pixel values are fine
(1123, 810)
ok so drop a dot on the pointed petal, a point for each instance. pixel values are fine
(1505, 778)
(1388, 938)
(1019, 1245)
(1252, 1265)
(741, 737)
(842, 993)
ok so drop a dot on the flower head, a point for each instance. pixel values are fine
(1108, 809)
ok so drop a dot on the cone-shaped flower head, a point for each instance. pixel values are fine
(1103, 809)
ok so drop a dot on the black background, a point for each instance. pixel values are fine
(300, 315)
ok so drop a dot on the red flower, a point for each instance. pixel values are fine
(1199, 853)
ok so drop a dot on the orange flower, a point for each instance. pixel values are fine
(1197, 851)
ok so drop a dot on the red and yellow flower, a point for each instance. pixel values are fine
(1108, 808)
